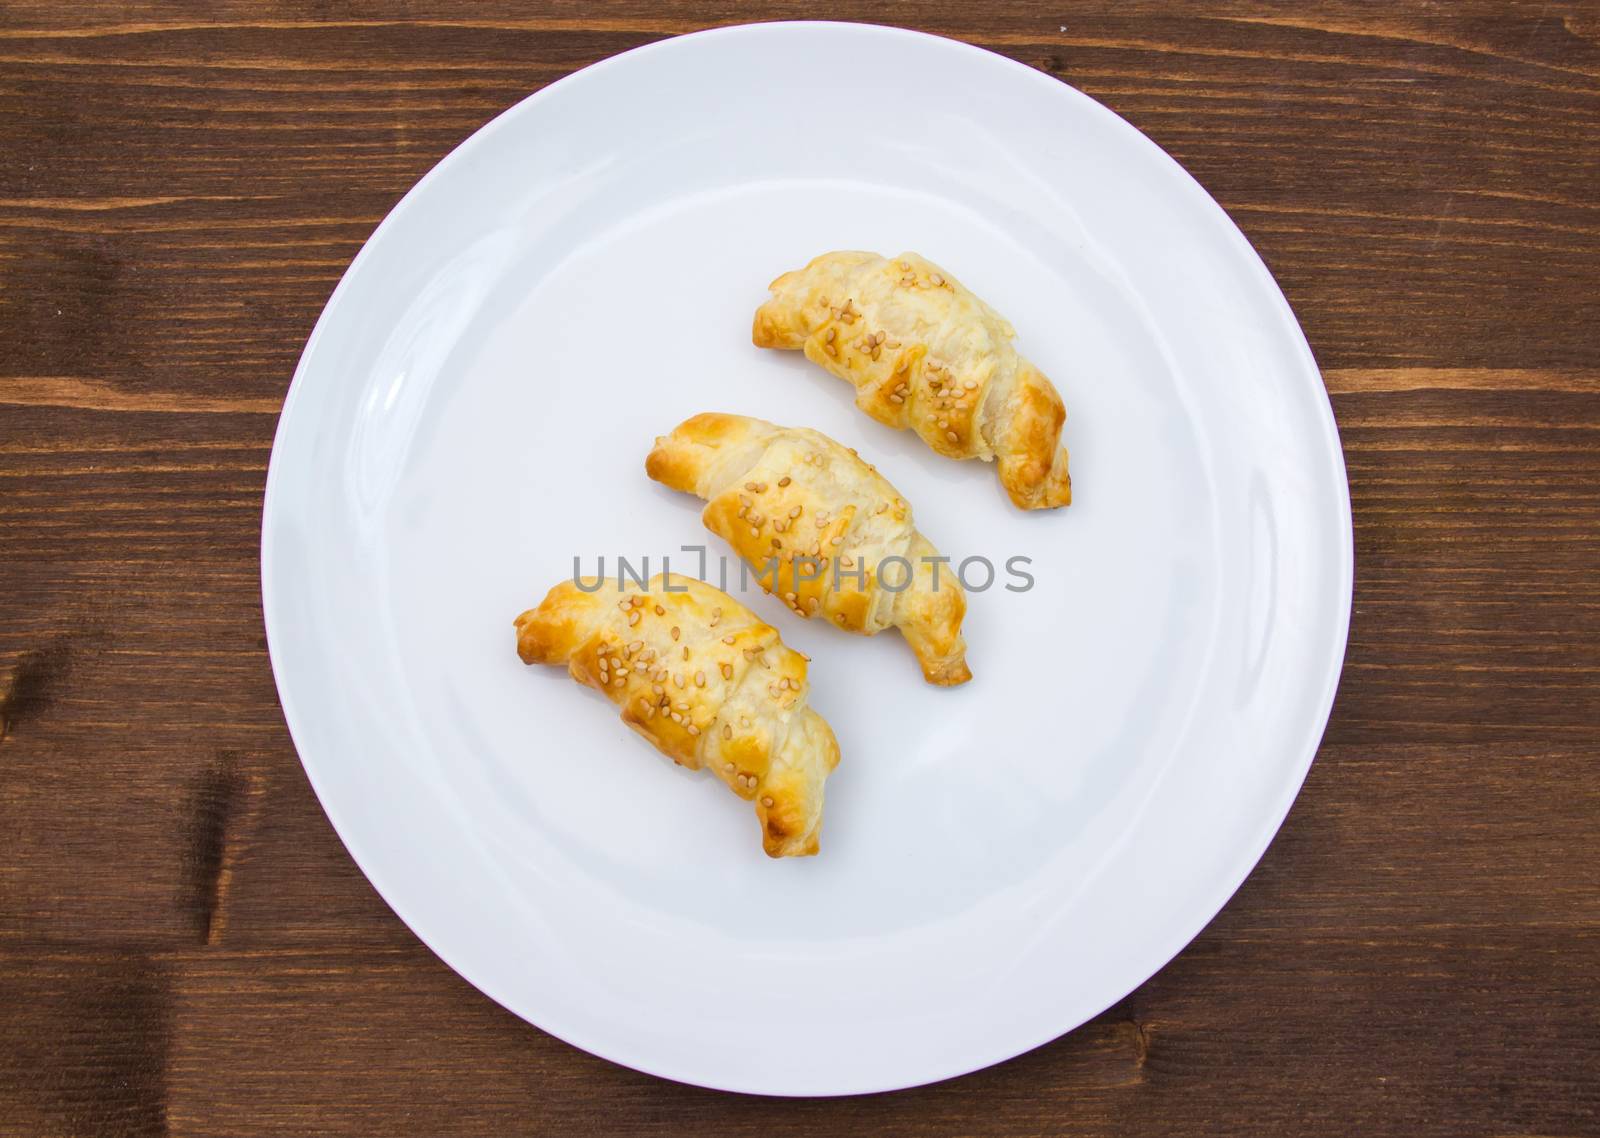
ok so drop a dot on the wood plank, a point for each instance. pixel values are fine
(246, 1044)
(83, 1043)
(324, 126)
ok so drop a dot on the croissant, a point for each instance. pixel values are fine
(704, 680)
(925, 353)
(825, 523)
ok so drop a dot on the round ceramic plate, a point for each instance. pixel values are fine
(1000, 861)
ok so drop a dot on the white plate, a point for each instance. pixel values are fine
(1001, 861)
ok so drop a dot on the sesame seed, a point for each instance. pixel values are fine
(744, 500)
(795, 513)
(716, 615)
(699, 679)
(761, 487)
(896, 399)
(727, 670)
(767, 802)
(785, 480)
(634, 646)
(675, 632)
(633, 618)
(936, 279)
(658, 689)
(971, 385)
(677, 680)
(788, 596)
(750, 486)
(693, 730)
(754, 532)
(685, 651)
(727, 733)
(727, 640)
(660, 611)
(619, 681)
(682, 706)
(622, 604)
(952, 436)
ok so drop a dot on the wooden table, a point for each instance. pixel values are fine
(185, 946)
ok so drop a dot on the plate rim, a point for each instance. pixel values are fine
(1341, 528)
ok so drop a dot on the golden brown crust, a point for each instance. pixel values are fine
(925, 354)
(817, 523)
(706, 682)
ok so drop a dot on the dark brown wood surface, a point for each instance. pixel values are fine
(186, 948)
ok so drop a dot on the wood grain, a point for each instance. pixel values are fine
(185, 947)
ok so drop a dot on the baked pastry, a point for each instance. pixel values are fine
(826, 526)
(703, 679)
(925, 353)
